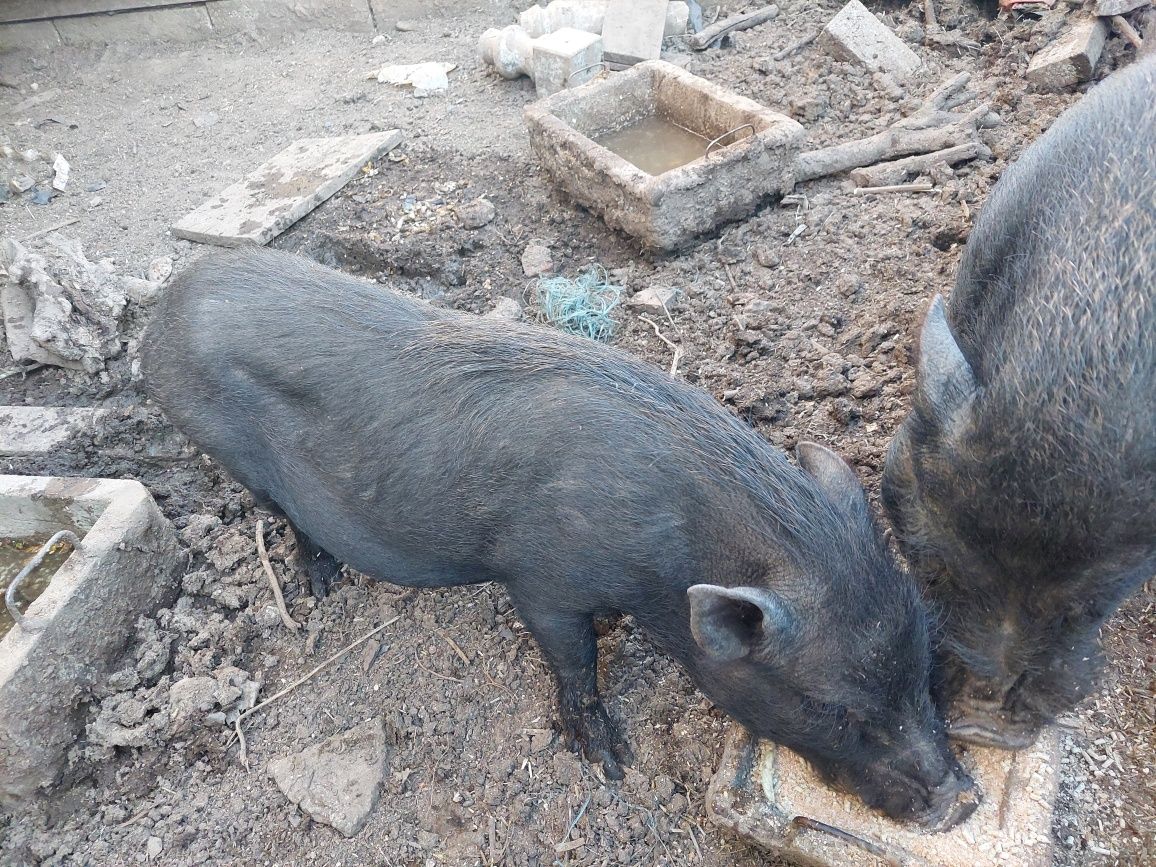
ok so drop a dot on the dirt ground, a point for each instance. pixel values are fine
(800, 319)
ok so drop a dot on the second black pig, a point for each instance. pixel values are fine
(1023, 484)
(432, 448)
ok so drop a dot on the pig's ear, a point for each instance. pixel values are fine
(834, 476)
(731, 622)
(946, 380)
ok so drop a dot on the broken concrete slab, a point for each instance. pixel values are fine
(41, 430)
(856, 35)
(280, 192)
(669, 209)
(337, 781)
(127, 565)
(59, 308)
(1071, 58)
(426, 79)
(771, 796)
(589, 15)
(632, 30)
(1108, 8)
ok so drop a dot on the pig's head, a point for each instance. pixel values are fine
(1005, 549)
(834, 661)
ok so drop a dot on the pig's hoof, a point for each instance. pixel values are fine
(593, 734)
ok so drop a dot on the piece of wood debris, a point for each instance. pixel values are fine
(280, 192)
(710, 35)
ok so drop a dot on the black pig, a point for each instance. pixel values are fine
(1023, 484)
(433, 448)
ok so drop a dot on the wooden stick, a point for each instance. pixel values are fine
(922, 187)
(51, 229)
(797, 45)
(246, 714)
(290, 624)
(675, 347)
(709, 35)
(895, 171)
(1127, 31)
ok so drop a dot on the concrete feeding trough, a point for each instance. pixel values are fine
(661, 154)
(770, 796)
(125, 564)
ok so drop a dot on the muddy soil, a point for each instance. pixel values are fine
(801, 320)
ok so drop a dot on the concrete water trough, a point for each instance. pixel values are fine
(770, 796)
(661, 154)
(123, 561)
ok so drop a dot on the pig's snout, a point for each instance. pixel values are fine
(935, 806)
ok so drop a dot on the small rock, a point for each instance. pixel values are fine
(405, 26)
(337, 781)
(96, 186)
(197, 531)
(20, 183)
(268, 617)
(536, 260)
(475, 214)
(153, 848)
(190, 699)
(41, 196)
(506, 309)
(767, 257)
(30, 156)
(142, 292)
(865, 385)
(378, 39)
(656, 300)
(60, 171)
(205, 119)
(160, 269)
(95, 202)
(808, 108)
(216, 718)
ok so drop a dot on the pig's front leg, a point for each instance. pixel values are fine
(568, 641)
(321, 567)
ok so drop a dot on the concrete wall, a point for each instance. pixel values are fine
(43, 24)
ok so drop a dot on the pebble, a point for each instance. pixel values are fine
(536, 260)
(20, 183)
(405, 26)
(153, 848)
(656, 300)
(475, 214)
(506, 309)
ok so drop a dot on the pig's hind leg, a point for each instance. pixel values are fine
(570, 645)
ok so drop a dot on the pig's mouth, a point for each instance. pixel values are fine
(935, 808)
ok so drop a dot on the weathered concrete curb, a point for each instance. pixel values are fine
(41, 430)
(128, 564)
(28, 24)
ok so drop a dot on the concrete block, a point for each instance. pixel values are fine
(632, 30)
(127, 565)
(565, 58)
(32, 35)
(669, 209)
(858, 36)
(1071, 58)
(41, 430)
(770, 796)
(173, 24)
(283, 16)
